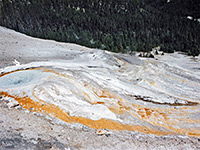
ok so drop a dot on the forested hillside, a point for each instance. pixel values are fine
(115, 25)
(183, 8)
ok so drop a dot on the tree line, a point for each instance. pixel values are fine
(115, 25)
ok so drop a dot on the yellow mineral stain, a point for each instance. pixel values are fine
(52, 71)
(155, 116)
(153, 83)
(41, 68)
(88, 97)
(1, 75)
(29, 104)
(117, 105)
(189, 132)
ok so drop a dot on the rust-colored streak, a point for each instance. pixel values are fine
(167, 118)
(105, 94)
(100, 103)
(148, 112)
(52, 71)
(156, 116)
(3, 74)
(118, 108)
(40, 68)
(29, 104)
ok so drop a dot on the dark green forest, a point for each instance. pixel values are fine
(182, 8)
(115, 25)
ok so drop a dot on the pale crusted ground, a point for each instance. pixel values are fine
(20, 130)
(25, 130)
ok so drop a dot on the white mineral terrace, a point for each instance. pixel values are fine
(100, 89)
